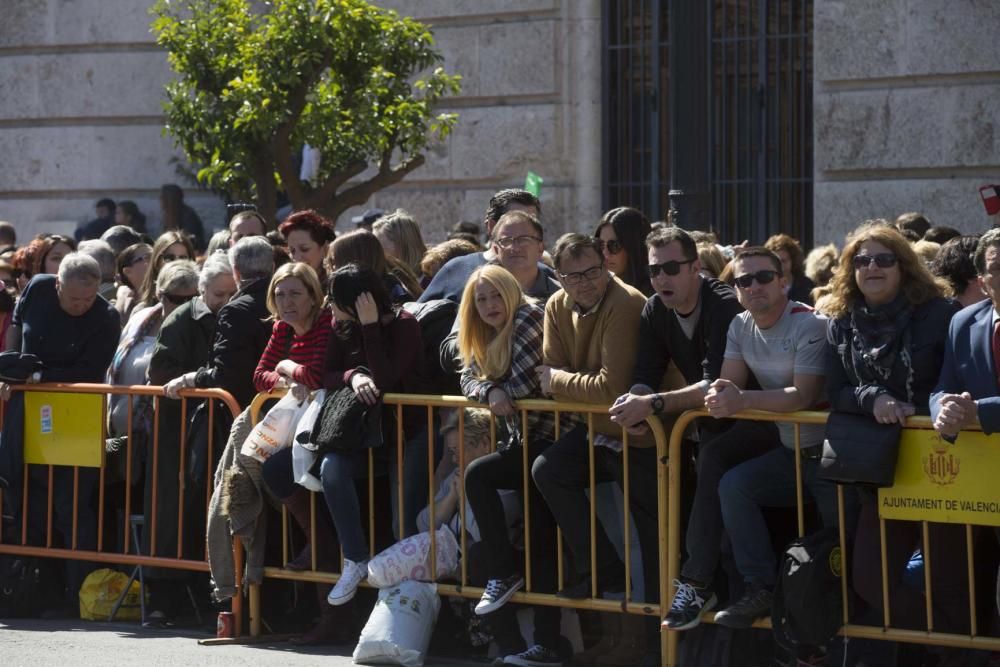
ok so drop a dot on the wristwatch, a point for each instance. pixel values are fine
(657, 404)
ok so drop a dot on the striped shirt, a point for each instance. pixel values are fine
(307, 350)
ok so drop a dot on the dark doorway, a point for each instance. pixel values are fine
(759, 94)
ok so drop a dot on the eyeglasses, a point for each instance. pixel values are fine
(762, 278)
(671, 268)
(593, 273)
(179, 299)
(145, 258)
(167, 257)
(883, 260)
(508, 242)
(613, 247)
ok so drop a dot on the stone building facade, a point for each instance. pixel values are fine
(81, 116)
(905, 111)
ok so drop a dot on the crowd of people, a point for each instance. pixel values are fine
(649, 319)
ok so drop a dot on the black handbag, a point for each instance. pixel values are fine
(345, 424)
(859, 450)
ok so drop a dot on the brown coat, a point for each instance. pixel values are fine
(596, 353)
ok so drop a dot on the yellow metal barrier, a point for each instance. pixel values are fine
(528, 596)
(100, 554)
(886, 632)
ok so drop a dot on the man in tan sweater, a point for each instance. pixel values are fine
(591, 335)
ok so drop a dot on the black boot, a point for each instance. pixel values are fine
(326, 549)
(337, 625)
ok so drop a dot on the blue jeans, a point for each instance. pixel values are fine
(744, 441)
(337, 473)
(414, 479)
(769, 481)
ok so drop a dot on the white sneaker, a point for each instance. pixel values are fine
(347, 585)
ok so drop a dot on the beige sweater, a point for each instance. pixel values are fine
(596, 353)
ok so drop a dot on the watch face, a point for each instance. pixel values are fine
(657, 404)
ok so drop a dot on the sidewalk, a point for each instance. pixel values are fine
(82, 643)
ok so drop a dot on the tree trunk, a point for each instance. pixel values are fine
(267, 188)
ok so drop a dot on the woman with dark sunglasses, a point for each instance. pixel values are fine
(888, 325)
(131, 265)
(169, 247)
(622, 233)
(176, 285)
(130, 417)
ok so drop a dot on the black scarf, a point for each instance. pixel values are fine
(878, 332)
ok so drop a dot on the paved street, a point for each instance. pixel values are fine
(81, 643)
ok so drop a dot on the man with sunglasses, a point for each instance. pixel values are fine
(783, 344)
(685, 321)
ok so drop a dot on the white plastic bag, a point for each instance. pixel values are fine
(274, 432)
(400, 626)
(303, 458)
(410, 559)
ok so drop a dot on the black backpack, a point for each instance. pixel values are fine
(808, 610)
(26, 587)
(436, 318)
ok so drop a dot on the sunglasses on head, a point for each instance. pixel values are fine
(671, 268)
(883, 260)
(762, 278)
(613, 247)
(178, 299)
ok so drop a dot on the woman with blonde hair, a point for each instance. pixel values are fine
(500, 346)
(400, 237)
(888, 325)
(294, 359)
(294, 355)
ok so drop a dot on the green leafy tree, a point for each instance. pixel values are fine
(256, 81)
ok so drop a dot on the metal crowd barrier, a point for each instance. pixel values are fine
(886, 632)
(126, 555)
(528, 595)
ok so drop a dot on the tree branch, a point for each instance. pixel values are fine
(281, 144)
(334, 181)
(386, 176)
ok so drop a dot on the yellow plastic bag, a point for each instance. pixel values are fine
(99, 593)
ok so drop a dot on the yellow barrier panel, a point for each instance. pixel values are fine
(942, 482)
(917, 433)
(64, 429)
